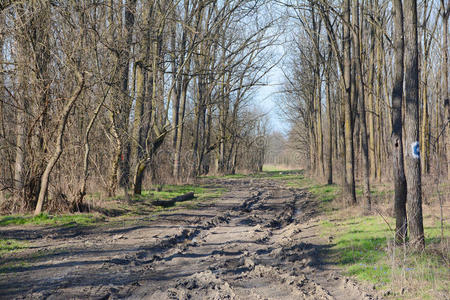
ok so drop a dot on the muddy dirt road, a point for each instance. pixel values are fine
(258, 241)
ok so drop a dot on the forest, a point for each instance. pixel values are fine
(110, 95)
(367, 92)
(112, 102)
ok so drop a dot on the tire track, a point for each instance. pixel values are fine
(257, 246)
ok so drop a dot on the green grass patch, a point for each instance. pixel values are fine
(291, 178)
(115, 209)
(324, 192)
(361, 248)
(359, 244)
(10, 245)
(276, 168)
(45, 219)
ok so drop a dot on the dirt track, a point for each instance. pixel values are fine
(257, 242)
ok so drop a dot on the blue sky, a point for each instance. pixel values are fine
(267, 98)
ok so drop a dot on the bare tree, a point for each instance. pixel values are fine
(397, 127)
(412, 159)
(349, 146)
(59, 143)
(445, 11)
(357, 37)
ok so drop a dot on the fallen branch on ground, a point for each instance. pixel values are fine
(171, 202)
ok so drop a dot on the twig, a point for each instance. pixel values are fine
(390, 228)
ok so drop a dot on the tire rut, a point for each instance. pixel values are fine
(255, 269)
(253, 248)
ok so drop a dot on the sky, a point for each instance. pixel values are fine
(267, 98)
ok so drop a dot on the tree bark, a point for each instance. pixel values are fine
(3, 144)
(125, 103)
(317, 104)
(377, 108)
(424, 139)
(370, 84)
(330, 124)
(427, 33)
(397, 127)
(180, 129)
(413, 172)
(445, 93)
(21, 133)
(138, 142)
(357, 37)
(179, 80)
(348, 129)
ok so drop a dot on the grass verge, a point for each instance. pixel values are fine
(363, 246)
(45, 219)
(114, 208)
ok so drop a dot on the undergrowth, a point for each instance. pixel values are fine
(113, 208)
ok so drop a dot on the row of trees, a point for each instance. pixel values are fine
(380, 70)
(112, 94)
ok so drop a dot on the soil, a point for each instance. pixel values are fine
(260, 240)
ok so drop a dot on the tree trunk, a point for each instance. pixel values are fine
(342, 142)
(373, 165)
(124, 166)
(312, 144)
(121, 104)
(175, 79)
(34, 42)
(348, 129)
(223, 119)
(317, 104)
(207, 159)
(357, 37)
(179, 129)
(378, 119)
(59, 146)
(138, 142)
(180, 93)
(397, 140)
(3, 153)
(445, 15)
(78, 203)
(21, 133)
(413, 174)
(116, 157)
(427, 33)
(424, 139)
(330, 127)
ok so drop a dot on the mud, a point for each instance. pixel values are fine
(259, 241)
